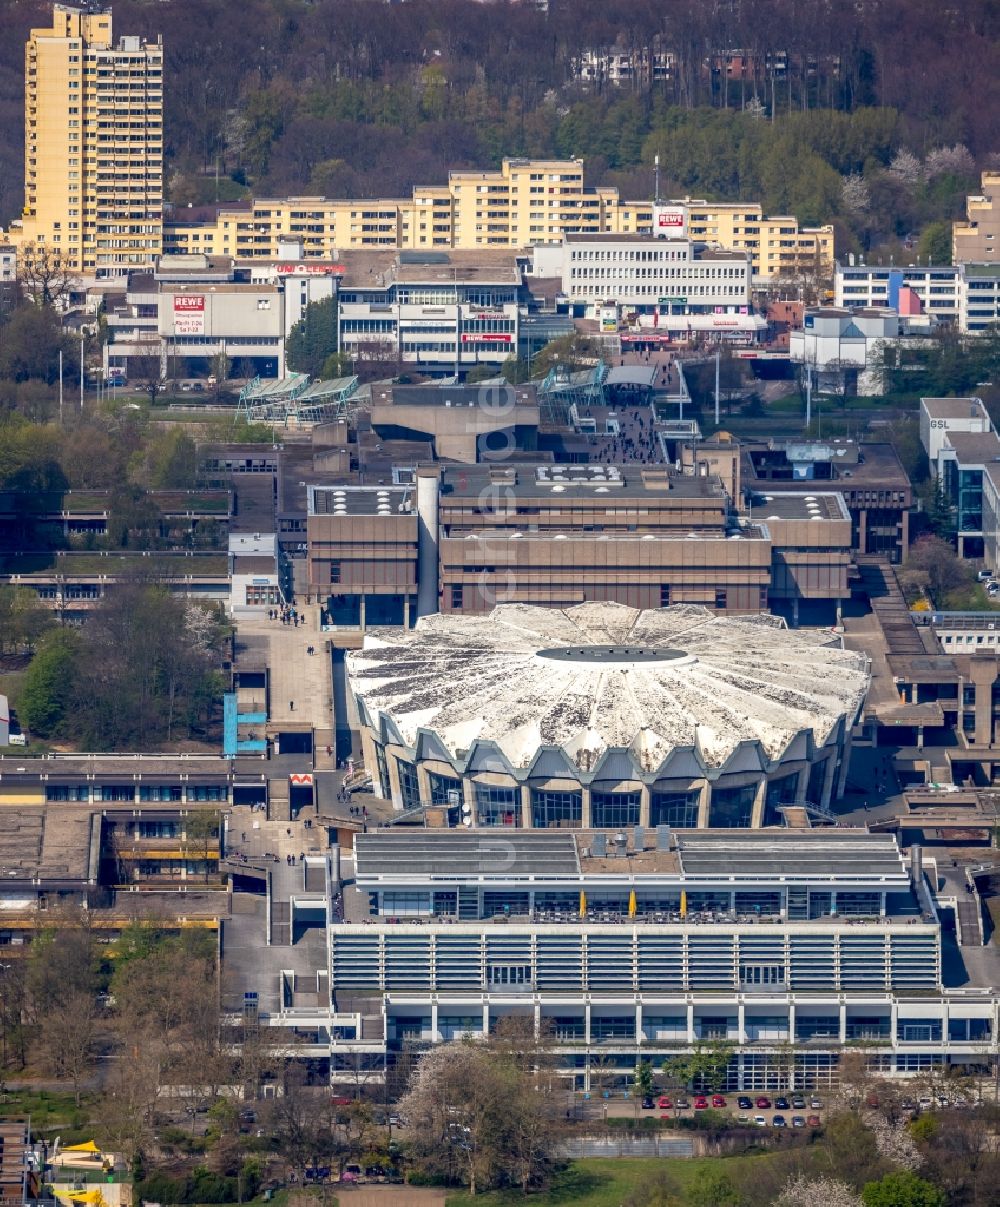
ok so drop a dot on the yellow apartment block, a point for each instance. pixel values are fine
(526, 202)
(93, 138)
(975, 241)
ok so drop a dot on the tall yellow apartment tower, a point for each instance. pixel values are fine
(93, 145)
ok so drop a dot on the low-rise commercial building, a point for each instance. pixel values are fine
(671, 284)
(442, 313)
(966, 294)
(844, 350)
(964, 450)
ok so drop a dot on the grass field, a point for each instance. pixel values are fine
(607, 1181)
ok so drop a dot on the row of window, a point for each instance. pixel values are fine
(115, 793)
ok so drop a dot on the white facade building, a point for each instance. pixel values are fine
(965, 294)
(842, 347)
(671, 284)
(939, 417)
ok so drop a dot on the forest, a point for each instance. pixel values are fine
(876, 115)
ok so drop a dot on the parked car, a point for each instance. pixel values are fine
(760, 1121)
(743, 1118)
(778, 1121)
(925, 1103)
(744, 1103)
(816, 1103)
(683, 1104)
(701, 1104)
(352, 1173)
(186, 387)
(813, 1121)
(984, 576)
(648, 1104)
(665, 1103)
(781, 1104)
(798, 1121)
(763, 1103)
(798, 1102)
(718, 1101)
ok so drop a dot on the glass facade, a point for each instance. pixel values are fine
(550, 810)
(445, 789)
(614, 810)
(409, 784)
(678, 809)
(497, 806)
(732, 808)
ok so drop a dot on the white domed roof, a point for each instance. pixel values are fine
(603, 675)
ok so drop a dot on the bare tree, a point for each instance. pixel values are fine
(44, 278)
(145, 372)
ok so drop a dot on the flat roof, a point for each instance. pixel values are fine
(359, 500)
(380, 269)
(828, 853)
(630, 479)
(466, 853)
(953, 408)
(494, 397)
(826, 505)
(974, 448)
(516, 855)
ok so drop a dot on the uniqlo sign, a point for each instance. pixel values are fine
(189, 314)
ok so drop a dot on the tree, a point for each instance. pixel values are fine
(934, 245)
(23, 618)
(644, 1079)
(146, 375)
(44, 278)
(803, 1191)
(44, 699)
(30, 343)
(313, 338)
(477, 1114)
(202, 830)
(902, 1189)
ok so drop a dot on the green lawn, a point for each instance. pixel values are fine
(605, 1181)
(49, 1111)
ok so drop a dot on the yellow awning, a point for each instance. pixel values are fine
(684, 903)
(88, 1146)
(633, 907)
(583, 904)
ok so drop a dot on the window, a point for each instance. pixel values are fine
(762, 974)
(157, 829)
(509, 974)
(664, 595)
(732, 808)
(456, 597)
(445, 789)
(74, 792)
(160, 792)
(675, 809)
(613, 810)
(556, 809)
(207, 792)
(720, 599)
(409, 784)
(116, 792)
(497, 806)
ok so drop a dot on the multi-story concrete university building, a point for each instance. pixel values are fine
(786, 949)
(559, 535)
(93, 133)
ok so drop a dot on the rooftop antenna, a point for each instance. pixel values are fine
(656, 180)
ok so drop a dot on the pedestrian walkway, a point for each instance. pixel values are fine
(301, 684)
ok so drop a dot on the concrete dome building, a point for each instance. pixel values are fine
(603, 716)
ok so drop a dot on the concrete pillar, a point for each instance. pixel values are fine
(791, 1029)
(486, 1017)
(757, 813)
(586, 1023)
(427, 540)
(638, 1024)
(434, 1022)
(525, 807)
(645, 805)
(690, 1014)
(704, 805)
(538, 1019)
(983, 673)
(843, 1023)
(406, 611)
(920, 737)
(585, 808)
(741, 1021)
(863, 530)
(469, 796)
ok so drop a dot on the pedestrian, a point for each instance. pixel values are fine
(291, 705)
